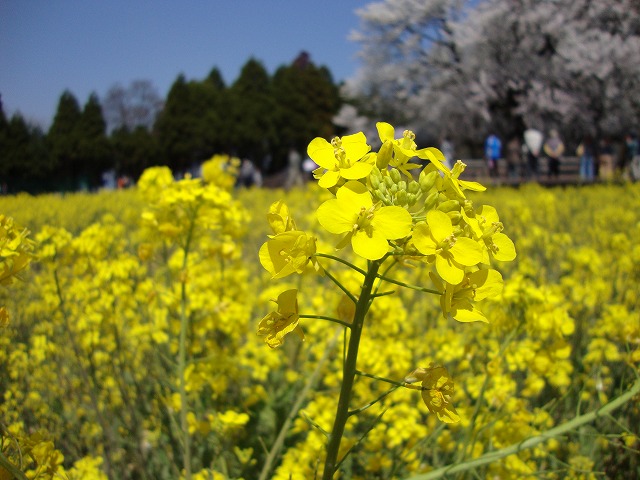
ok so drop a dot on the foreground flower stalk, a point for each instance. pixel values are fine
(349, 371)
(390, 217)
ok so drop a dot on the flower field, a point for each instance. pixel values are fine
(131, 338)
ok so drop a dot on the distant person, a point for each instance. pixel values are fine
(512, 157)
(294, 172)
(605, 160)
(246, 176)
(586, 153)
(533, 142)
(632, 150)
(634, 164)
(492, 153)
(446, 147)
(554, 149)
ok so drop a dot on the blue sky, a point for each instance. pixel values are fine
(47, 46)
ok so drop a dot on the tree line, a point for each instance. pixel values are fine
(259, 117)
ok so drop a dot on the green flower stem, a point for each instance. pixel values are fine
(383, 294)
(382, 379)
(355, 445)
(371, 404)
(340, 286)
(182, 353)
(531, 442)
(349, 372)
(11, 468)
(330, 319)
(407, 285)
(302, 396)
(340, 260)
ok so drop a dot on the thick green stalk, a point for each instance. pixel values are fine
(349, 372)
(535, 440)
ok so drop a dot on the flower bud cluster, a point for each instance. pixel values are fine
(391, 188)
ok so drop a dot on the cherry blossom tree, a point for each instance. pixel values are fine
(464, 68)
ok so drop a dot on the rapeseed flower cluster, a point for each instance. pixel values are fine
(389, 216)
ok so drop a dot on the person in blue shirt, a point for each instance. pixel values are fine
(492, 153)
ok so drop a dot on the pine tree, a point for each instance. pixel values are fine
(307, 100)
(252, 113)
(93, 144)
(64, 141)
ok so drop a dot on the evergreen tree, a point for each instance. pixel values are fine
(252, 113)
(215, 79)
(134, 150)
(64, 141)
(93, 144)
(307, 100)
(25, 163)
(177, 128)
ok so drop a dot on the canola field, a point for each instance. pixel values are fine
(131, 338)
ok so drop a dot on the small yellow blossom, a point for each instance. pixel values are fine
(287, 253)
(16, 250)
(279, 218)
(344, 157)
(452, 253)
(497, 244)
(405, 148)
(275, 325)
(437, 389)
(367, 226)
(457, 301)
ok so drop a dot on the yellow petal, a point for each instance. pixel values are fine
(486, 283)
(371, 246)
(385, 131)
(466, 252)
(474, 186)
(392, 222)
(439, 224)
(506, 249)
(466, 312)
(354, 195)
(449, 272)
(422, 239)
(355, 146)
(336, 216)
(356, 171)
(488, 213)
(321, 152)
(288, 301)
(329, 179)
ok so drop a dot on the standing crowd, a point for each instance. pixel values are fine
(597, 160)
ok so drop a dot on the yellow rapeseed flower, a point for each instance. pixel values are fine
(457, 301)
(405, 148)
(275, 325)
(287, 253)
(497, 244)
(367, 226)
(344, 157)
(437, 389)
(16, 250)
(452, 253)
